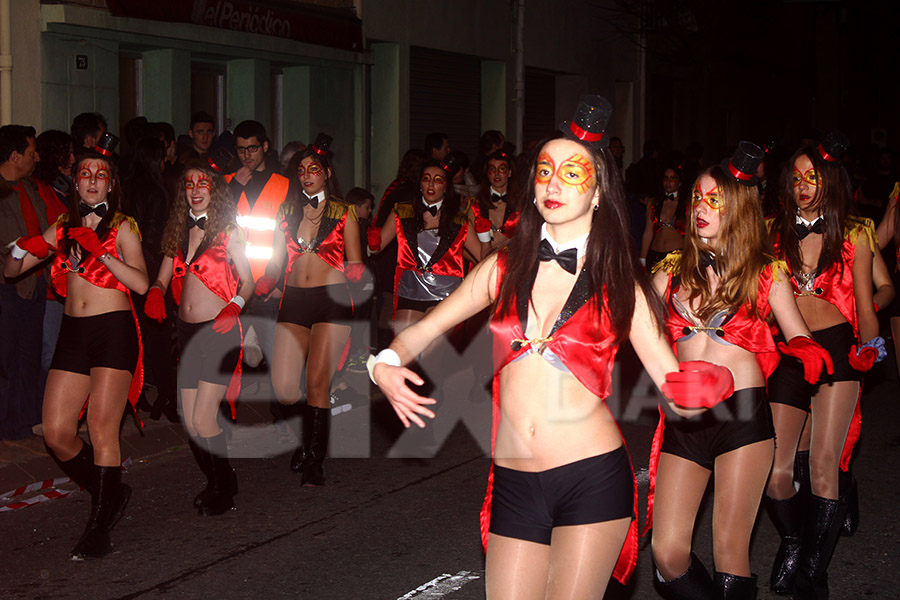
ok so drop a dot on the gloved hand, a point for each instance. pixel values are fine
(227, 318)
(36, 245)
(373, 235)
(87, 238)
(264, 285)
(354, 271)
(811, 354)
(698, 384)
(155, 305)
(863, 359)
(482, 225)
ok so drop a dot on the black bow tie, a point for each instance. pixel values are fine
(567, 259)
(708, 260)
(803, 231)
(314, 201)
(100, 210)
(431, 209)
(495, 197)
(671, 197)
(192, 222)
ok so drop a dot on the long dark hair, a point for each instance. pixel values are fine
(833, 195)
(611, 259)
(332, 188)
(449, 208)
(113, 201)
(221, 214)
(512, 192)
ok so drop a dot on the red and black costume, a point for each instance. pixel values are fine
(745, 417)
(322, 304)
(108, 340)
(211, 265)
(677, 224)
(583, 343)
(429, 262)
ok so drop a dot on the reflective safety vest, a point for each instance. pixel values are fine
(259, 223)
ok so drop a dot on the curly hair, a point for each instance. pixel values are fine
(741, 253)
(222, 212)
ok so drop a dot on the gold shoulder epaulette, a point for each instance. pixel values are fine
(670, 264)
(119, 218)
(857, 225)
(237, 232)
(404, 210)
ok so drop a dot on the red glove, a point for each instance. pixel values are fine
(698, 384)
(374, 238)
(36, 245)
(264, 285)
(88, 240)
(864, 359)
(811, 354)
(155, 305)
(227, 318)
(354, 271)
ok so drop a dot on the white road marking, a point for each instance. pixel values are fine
(440, 586)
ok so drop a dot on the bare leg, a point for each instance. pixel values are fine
(405, 318)
(206, 409)
(582, 559)
(832, 411)
(788, 422)
(288, 358)
(64, 396)
(680, 485)
(109, 394)
(326, 342)
(740, 481)
(188, 398)
(516, 569)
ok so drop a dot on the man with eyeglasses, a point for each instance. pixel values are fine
(259, 191)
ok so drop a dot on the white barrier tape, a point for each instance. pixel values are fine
(47, 484)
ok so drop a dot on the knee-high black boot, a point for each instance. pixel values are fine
(107, 507)
(849, 494)
(787, 515)
(734, 587)
(824, 518)
(315, 439)
(81, 469)
(294, 414)
(204, 461)
(218, 497)
(693, 584)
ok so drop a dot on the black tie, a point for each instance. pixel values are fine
(99, 210)
(431, 209)
(803, 231)
(708, 260)
(495, 197)
(567, 259)
(192, 222)
(670, 196)
(314, 201)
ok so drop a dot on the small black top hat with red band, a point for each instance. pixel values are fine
(450, 165)
(588, 125)
(742, 166)
(106, 146)
(322, 144)
(833, 147)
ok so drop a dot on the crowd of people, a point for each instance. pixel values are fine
(750, 300)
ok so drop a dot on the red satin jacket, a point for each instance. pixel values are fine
(329, 242)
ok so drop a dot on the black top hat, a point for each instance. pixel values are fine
(106, 146)
(450, 164)
(220, 160)
(833, 147)
(588, 125)
(742, 166)
(322, 143)
(501, 154)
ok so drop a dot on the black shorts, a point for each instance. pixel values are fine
(108, 340)
(323, 304)
(527, 506)
(419, 305)
(740, 420)
(205, 354)
(786, 383)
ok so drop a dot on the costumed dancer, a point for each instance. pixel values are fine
(559, 517)
(719, 291)
(666, 215)
(494, 211)
(830, 256)
(97, 264)
(432, 231)
(889, 232)
(317, 247)
(206, 268)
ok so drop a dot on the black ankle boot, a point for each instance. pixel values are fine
(824, 518)
(204, 461)
(315, 439)
(218, 497)
(734, 587)
(106, 509)
(849, 495)
(693, 584)
(787, 515)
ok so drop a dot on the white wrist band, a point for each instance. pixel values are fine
(239, 301)
(16, 252)
(386, 356)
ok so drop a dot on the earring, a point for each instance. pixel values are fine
(596, 206)
(109, 189)
(534, 200)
